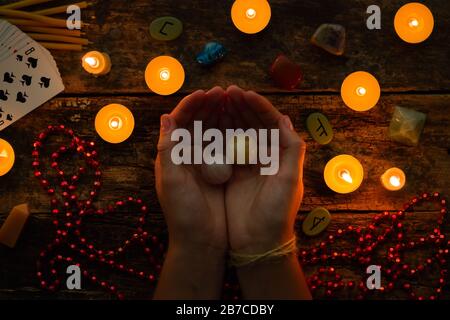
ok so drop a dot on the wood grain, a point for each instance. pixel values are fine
(413, 76)
(128, 167)
(18, 280)
(121, 29)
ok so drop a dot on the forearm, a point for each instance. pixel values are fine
(280, 278)
(191, 273)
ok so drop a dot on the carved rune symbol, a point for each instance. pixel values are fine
(321, 127)
(164, 26)
(316, 222)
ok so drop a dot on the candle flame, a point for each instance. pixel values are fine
(164, 74)
(92, 61)
(250, 13)
(345, 175)
(413, 23)
(394, 181)
(4, 154)
(115, 123)
(361, 91)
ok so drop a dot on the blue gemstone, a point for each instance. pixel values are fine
(211, 54)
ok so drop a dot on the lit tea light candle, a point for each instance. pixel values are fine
(96, 63)
(414, 22)
(114, 123)
(343, 174)
(251, 16)
(360, 91)
(164, 75)
(393, 179)
(7, 157)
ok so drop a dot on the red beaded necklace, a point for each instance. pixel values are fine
(396, 273)
(69, 212)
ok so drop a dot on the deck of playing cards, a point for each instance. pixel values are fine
(29, 76)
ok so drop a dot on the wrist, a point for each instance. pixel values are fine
(263, 244)
(197, 253)
(286, 249)
(268, 264)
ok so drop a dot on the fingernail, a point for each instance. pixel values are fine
(287, 122)
(165, 123)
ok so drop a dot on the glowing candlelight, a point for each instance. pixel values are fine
(96, 63)
(414, 22)
(251, 16)
(114, 123)
(7, 157)
(250, 13)
(164, 75)
(343, 174)
(360, 91)
(92, 61)
(393, 179)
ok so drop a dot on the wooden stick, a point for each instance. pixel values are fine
(61, 9)
(23, 4)
(33, 23)
(31, 16)
(62, 46)
(24, 22)
(61, 32)
(57, 38)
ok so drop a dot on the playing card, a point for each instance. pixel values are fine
(28, 78)
(9, 34)
(11, 38)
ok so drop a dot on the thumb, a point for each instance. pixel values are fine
(165, 144)
(294, 149)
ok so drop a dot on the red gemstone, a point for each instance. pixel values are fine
(285, 73)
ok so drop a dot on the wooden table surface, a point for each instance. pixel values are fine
(415, 77)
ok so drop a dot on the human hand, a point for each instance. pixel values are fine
(194, 210)
(261, 210)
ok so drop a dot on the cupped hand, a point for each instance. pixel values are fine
(194, 210)
(261, 210)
